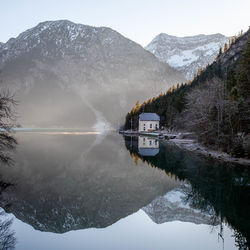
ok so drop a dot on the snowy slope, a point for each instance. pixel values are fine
(54, 38)
(187, 54)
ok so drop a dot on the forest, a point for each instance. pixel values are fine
(215, 105)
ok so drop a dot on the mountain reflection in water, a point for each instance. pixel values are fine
(217, 189)
(72, 181)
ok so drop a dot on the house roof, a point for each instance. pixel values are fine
(149, 117)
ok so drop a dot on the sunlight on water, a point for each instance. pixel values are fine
(66, 133)
(57, 131)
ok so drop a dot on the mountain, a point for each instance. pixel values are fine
(73, 75)
(215, 105)
(187, 54)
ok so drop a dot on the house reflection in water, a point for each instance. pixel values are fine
(148, 146)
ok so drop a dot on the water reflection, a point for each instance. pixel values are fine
(62, 185)
(174, 206)
(7, 145)
(67, 182)
(7, 235)
(219, 190)
(147, 146)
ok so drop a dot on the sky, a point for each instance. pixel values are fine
(138, 20)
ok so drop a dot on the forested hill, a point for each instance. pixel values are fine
(215, 104)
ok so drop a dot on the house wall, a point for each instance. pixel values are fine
(146, 125)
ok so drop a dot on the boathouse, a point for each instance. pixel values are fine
(148, 122)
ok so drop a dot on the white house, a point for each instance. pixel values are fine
(148, 122)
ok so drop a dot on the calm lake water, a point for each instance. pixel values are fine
(80, 190)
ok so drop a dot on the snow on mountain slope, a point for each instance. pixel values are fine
(187, 54)
(54, 38)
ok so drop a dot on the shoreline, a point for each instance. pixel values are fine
(186, 141)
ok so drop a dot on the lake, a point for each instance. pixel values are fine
(84, 190)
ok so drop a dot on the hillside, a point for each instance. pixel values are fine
(72, 75)
(215, 104)
(187, 54)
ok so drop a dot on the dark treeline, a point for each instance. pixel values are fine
(219, 189)
(215, 104)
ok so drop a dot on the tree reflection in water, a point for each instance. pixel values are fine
(218, 188)
(7, 236)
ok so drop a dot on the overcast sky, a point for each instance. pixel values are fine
(139, 20)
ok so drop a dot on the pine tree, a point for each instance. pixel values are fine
(226, 46)
(199, 71)
(243, 76)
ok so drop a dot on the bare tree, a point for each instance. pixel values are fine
(7, 236)
(7, 121)
(205, 109)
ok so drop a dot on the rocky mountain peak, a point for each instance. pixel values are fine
(187, 54)
(55, 39)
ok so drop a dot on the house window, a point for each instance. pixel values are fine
(150, 125)
(156, 142)
(156, 127)
(150, 142)
(144, 128)
(144, 139)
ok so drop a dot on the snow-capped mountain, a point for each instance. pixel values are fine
(56, 39)
(74, 75)
(187, 54)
